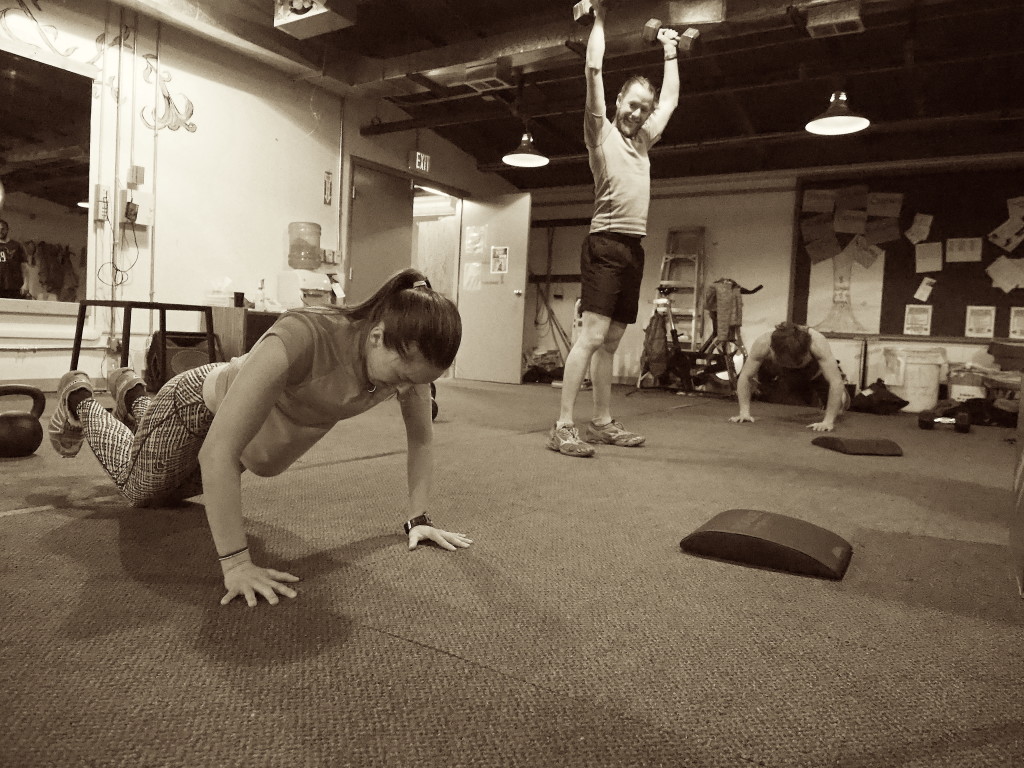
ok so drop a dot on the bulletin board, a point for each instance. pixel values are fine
(867, 247)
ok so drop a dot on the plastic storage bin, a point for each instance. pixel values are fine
(914, 375)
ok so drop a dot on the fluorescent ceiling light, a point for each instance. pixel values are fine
(431, 190)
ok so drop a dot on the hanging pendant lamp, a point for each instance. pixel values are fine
(838, 119)
(525, 155)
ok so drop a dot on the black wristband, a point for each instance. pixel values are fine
(408, 525)
(237, 552)
(673, 57)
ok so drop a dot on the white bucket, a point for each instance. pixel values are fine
(914, 375)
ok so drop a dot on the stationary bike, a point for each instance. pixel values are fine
(710, 369)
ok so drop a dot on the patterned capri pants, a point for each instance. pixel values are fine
(158, 464)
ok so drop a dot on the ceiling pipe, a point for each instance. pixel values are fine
(568, 108)
(249, 29)
(707, 58)
(898, 126)
(546, 45)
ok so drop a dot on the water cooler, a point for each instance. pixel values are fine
(301, 285)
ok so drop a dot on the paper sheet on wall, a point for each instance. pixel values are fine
(499, 259)
(917, 320)
(963, 249)
(1006, 274)
(882, 230)
(850, 221)
(919, 230)
(852, 197)
(1017, 322)
(863, 252)
(474, 240)
(825, 248)
(1008, 235)
(980, 322)
(1015, 207)
(887, 204)
(928, 257)
(816, 227)
(472, 273)
(924, 290)
(818, 201)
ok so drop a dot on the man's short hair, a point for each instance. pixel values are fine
(641, 80)
(790, 344)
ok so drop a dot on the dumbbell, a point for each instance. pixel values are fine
(961, 421)
(687, 38)
(583, 11)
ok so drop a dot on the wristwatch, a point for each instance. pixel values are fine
(408, 525)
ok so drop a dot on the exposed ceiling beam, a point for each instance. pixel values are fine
(451, 117)
(246, 26)
(554, 44)
(34, 155)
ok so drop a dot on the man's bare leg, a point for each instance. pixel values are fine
(592, 336)
(601, 372)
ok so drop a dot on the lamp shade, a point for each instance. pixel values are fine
(525, 155)
(837, 119)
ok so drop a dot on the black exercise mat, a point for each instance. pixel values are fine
(859, 446)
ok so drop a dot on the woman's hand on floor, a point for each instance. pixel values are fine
(821, 426)
(443, 539)
(249, 580)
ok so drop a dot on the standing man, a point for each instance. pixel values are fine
(612, 258)
(13, 266)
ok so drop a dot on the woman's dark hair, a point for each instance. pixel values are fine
(790, 343)
(413, 315)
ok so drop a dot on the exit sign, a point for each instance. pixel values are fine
(419, 161)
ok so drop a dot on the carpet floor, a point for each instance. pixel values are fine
(574, 632)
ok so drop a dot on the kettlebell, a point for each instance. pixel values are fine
(20, 432)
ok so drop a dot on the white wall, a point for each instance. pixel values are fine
(232, 150)
(748, 237)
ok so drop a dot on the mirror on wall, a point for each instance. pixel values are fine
(45, 116)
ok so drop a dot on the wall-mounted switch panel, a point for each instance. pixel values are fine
(100, 203)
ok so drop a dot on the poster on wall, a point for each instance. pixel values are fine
(980, 322)
(845, 292)
(499, 259)
(917, 320)
(1017, 322)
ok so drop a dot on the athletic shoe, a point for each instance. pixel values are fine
(566, 440)
(119, 382)
(65, 430)
(613, 433)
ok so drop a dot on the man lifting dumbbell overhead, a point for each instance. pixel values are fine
(612, 258)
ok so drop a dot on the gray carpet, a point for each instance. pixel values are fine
(574, 632)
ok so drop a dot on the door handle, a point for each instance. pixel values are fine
(517, 292)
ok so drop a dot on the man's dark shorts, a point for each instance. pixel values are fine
(612, 267)
(806, 385)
